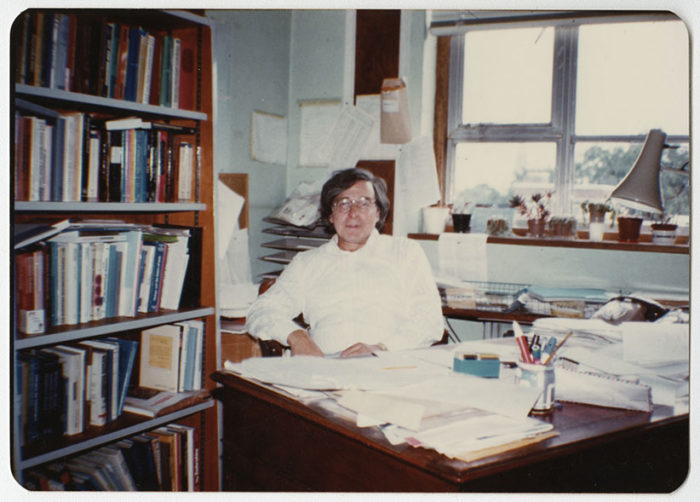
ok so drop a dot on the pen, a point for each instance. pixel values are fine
(549, 359)
(522, 343)
(536, 351)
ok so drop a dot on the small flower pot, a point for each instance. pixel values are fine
(628, 229)
(535, 228)
(461, 222)
(663, 233)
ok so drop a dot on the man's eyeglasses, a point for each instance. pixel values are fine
(343, 205)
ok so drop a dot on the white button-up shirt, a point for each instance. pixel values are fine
(382, 293)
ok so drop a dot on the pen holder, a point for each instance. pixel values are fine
(540, 377)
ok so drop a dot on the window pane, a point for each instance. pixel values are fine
(489, 174)
(600, 166)
(633, 77)
(508, 76)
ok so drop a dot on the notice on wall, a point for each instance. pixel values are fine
(316, 122)
(268, 138)
(374, 149)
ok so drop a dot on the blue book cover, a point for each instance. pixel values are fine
(59, 138)
(132, 63)
(141, 165)
(113, 279)
(158, 264)
(127, 356)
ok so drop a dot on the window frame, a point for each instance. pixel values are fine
(561, 127)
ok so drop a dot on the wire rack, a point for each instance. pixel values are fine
(485, 295)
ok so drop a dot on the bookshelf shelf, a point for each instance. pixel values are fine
(107, 103)
(75, 75)
(111, 207)
(65, 334)
(128, 424)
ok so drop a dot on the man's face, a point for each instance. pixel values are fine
(352, 222)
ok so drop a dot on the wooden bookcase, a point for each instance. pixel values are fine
(197, 212)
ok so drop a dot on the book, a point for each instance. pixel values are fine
(73, 371)
(112, 349)
(171, 441)
(153, 403)
(95, 385)
(187, 453)
(185, 169)
(30, 304)
(191, 286)
(160, 357)
(128, 350)
(147, 264)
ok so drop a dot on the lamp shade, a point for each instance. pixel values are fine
(640, 188)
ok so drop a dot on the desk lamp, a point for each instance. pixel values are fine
(640, 188)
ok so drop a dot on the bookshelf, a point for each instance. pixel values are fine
(187, 119)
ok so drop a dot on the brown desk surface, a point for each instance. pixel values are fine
(272, 442)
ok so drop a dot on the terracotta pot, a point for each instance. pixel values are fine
(535, 228)
(628, 229)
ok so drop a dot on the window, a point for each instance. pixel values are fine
(565, 107)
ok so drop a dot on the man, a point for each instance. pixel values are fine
(360, 292)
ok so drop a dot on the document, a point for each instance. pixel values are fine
(316, 121)
(416, 174)
(268, 138)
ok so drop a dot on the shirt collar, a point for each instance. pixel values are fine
(371, 242)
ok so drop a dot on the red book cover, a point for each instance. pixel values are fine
(154, 98)
(121, 65)
(70, 60)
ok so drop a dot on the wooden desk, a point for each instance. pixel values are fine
(274, 443)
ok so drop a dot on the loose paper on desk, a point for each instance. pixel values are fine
(650, 342)
(463, 256)
(416, 175)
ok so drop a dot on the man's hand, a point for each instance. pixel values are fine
(301, 344)
(362, 349)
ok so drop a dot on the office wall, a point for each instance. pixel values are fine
(251, 53)
(317, 72)
(657, 274)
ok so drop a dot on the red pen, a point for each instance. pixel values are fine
(521, 340)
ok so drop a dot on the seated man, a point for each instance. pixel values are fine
(361, 291)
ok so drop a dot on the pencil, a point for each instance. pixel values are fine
(551, 355)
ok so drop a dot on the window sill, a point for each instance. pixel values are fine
(610, 243)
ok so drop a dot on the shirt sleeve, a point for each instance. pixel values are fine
(424, 324)
(271, 316)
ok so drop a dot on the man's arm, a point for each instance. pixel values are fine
(301, 344)
(271, 315)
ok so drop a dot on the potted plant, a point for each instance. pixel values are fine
(628, 225)
(462, 215)
(663, 231)
(596, 211)
(535, 209)
(562, 226)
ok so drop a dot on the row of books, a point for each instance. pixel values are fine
(67, 388)
(106, 58)
(89, 272)
(75, 156)
(171, 361)
(166, 458)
